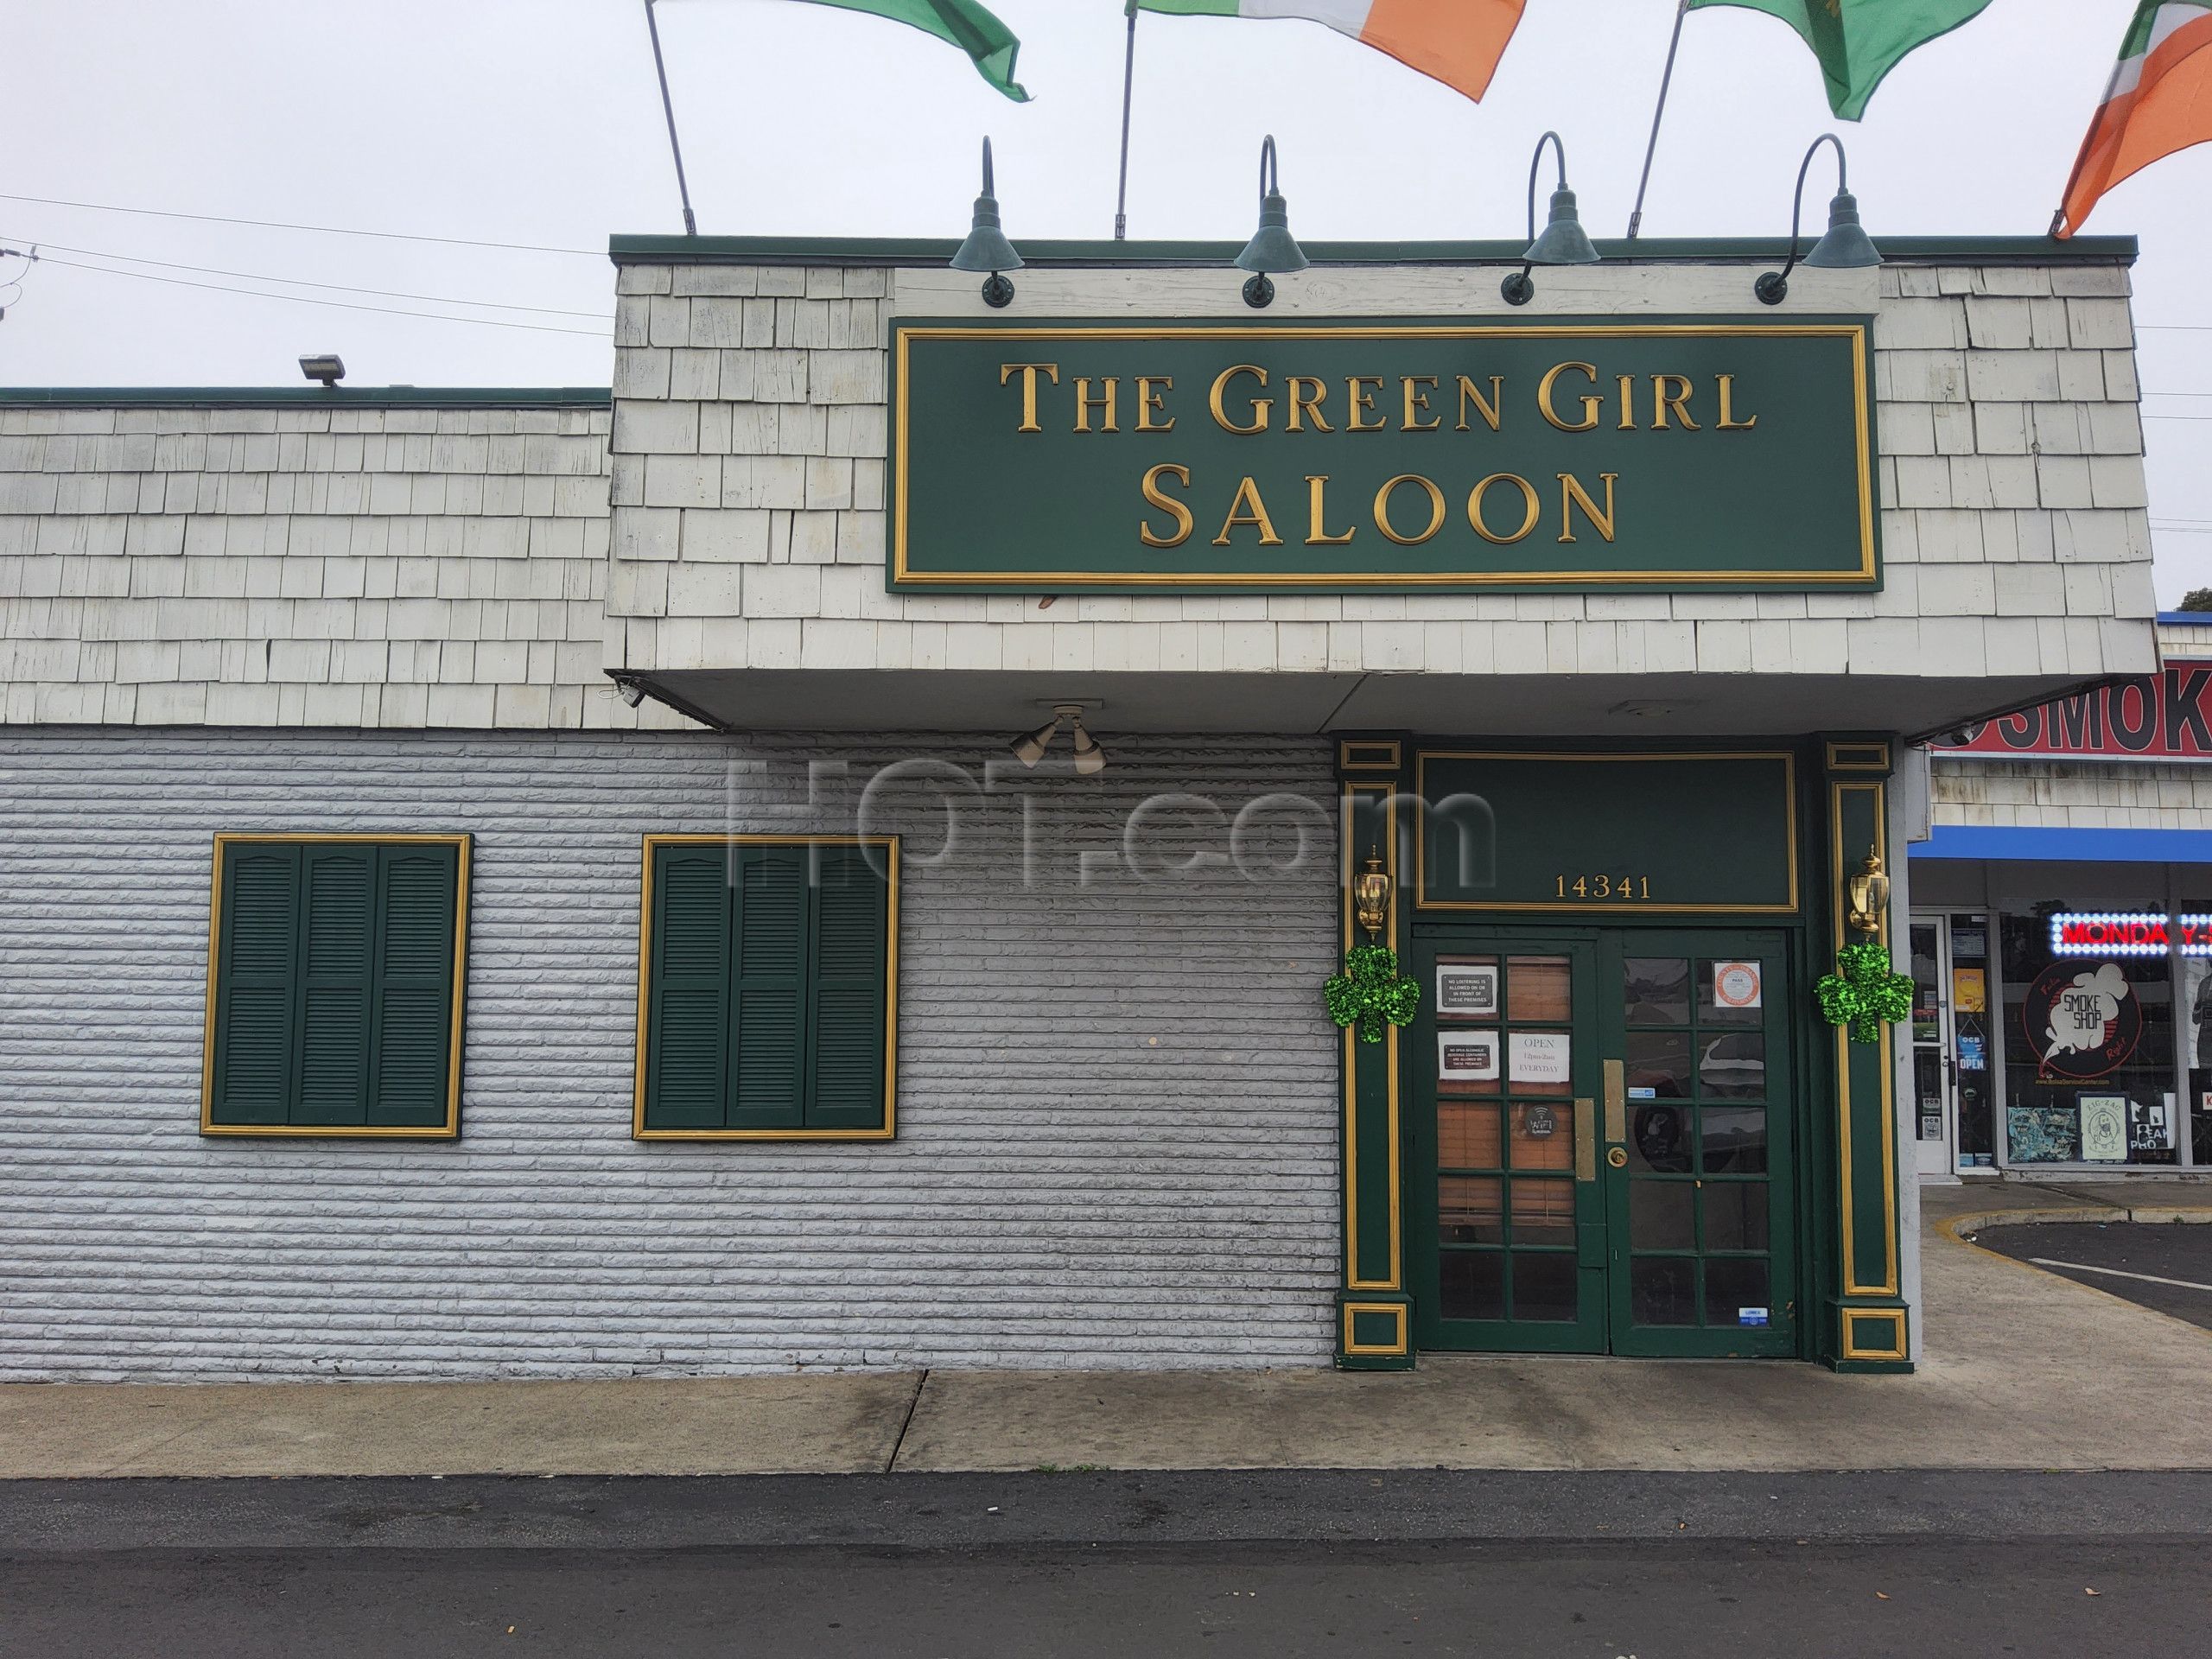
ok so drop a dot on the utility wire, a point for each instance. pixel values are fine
(340, 305)
(301, 281)
(321, 230)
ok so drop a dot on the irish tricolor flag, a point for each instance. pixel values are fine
(2160, 101)
(1456, 41)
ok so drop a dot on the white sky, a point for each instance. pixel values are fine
(537, 121)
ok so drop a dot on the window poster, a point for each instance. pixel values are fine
(1970, 990)
(2082, 1021)
(2044, 1134)
(1543, 1056)
(1974, 1053)
(2104, 1128)
(1736, 984)
(1468, 990)
(1466, 1057)
(2150, 1125)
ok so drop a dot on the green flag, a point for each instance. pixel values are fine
(962, 22)
(1859, 42)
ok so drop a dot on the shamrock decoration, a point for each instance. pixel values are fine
(1371, 992)
(1866, 994)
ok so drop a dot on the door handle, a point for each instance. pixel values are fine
(1586, 1139)
(1615, 1100)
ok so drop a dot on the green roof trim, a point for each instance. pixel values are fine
(306, 396)
(937, 251)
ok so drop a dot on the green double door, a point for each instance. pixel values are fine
(1598, 1152)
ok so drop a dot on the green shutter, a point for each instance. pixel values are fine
(687, 1064)
(769, 986)
(256, 935)
(847, 993)
(410, 1067)
(334, 985)
(338, 885)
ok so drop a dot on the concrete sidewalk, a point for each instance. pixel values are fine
(2024, 1370)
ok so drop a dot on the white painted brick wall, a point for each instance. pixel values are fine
(1117, 1117)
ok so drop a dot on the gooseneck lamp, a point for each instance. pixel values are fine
(1564, 241)
(987, 248)
(1844, 247)
(1272, 246)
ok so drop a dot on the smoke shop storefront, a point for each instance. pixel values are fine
(2062, 938)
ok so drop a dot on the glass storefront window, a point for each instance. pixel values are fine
(2089, 1035)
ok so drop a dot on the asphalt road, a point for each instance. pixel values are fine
(1046, 1566)
(2136, 1255)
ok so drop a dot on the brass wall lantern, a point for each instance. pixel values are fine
(1370, 893)
(1869, 892)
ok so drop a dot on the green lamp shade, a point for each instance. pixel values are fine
(986, 248)
(1271, 247)
(1846, 246)
(1564, 241)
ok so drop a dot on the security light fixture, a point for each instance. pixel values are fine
(631, 688)
(987, 248)
(328, 367)
(1272, 246)
(1564, 241)
(1846, 246)
(1030, 748)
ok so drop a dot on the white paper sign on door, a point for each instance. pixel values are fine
(1543, 1056)
(1466, 1057)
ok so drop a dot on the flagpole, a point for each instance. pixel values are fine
(667, 108)
(1128, 82)
(1651, 148)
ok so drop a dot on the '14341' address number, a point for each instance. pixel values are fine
(1604, 885)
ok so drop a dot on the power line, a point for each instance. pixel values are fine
(301, 281)
(320, 230)
(340, 305)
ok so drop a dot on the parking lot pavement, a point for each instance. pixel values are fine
(2167, 1268)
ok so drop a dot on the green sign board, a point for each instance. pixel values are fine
(1720, 454)
(1607, 834)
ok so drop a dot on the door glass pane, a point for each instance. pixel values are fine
(1662, 1216)
(1736, 1291)
(1733, 1066)
(1926, 962)
(1544, 1285)
(1467, 1134)
(1731, 991)
(1467, 1060)
(1543, 1212)
(1470, 1209)
(1539, 1062)
(1735, 1215)
(1662, 1290)
(1540, 988)
(1658, 990)
(1543, 1134)
(1470, 1284)
(1466, 989)
(1658, 1065)
(1734, 1140)
(1659, 1137)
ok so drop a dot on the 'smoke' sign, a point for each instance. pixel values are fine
(2157, 717)
(1702, 456)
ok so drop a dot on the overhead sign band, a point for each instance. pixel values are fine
(1724, 454)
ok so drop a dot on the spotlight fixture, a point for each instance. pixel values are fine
(1272, 246)
(1030, 747)
(1844, 247)
(633, 688)
(987, 248)
(328, 367)
(1564, 241)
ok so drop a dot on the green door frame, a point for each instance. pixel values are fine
(1850, 1314)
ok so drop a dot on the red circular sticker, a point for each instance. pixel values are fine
(1736, 984)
